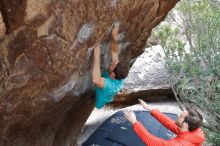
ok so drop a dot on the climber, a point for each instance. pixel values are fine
(187, 127)
(110, 82)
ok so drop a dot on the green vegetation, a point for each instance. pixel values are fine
(195, 71)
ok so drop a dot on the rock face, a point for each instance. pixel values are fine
(148, 71)
(45, 61)
(148, 77)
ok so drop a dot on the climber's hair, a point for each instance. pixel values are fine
(121, 70)
(194, 119)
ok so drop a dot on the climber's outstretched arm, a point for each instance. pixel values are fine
(96, 72)
(114, 43)
(114, 51)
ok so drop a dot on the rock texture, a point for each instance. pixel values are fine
(148, 71)
(45, 61)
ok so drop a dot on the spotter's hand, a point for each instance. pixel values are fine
(130, 116)
(145, 105)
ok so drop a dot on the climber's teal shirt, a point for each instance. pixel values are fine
(106, 94)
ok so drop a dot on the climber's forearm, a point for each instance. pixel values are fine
(114, 51)
(96, 73)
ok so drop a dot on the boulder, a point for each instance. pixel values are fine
(46, 93)
(148, 78)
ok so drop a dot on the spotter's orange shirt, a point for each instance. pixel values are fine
(193, 138)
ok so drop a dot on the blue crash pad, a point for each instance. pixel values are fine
(117, 131)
